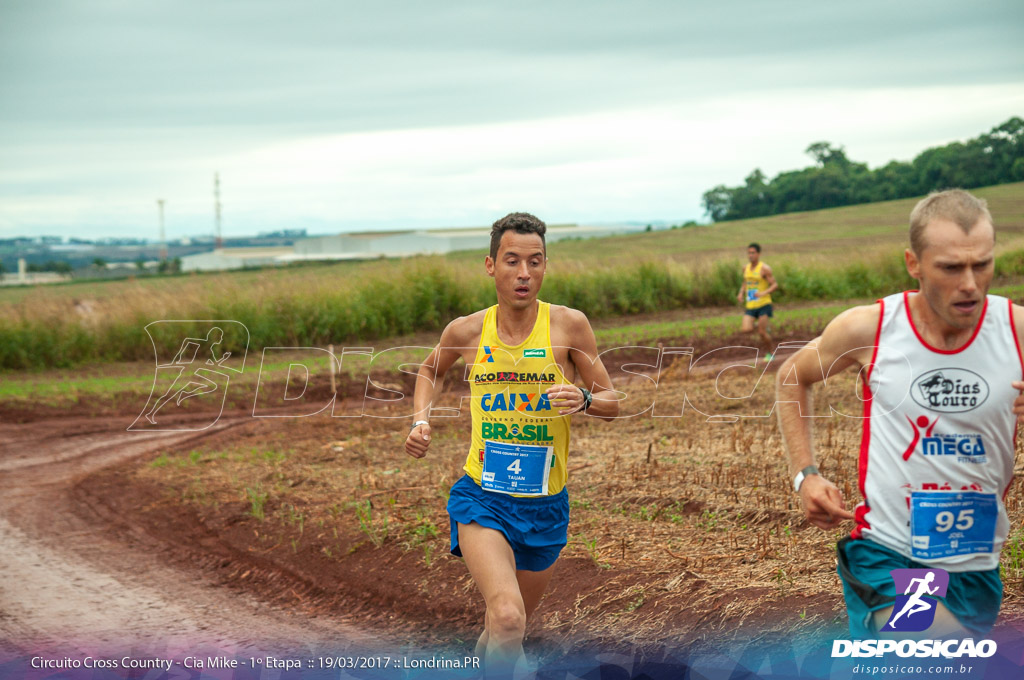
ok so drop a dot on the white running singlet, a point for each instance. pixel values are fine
(936, 455)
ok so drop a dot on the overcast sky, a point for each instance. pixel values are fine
(336, 115)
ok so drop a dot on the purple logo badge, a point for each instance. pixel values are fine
(914, 610)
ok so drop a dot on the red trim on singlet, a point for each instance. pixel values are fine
(1016, 425)
(1012, 478)
(860, 514)
(1016, 339)
(910, 318)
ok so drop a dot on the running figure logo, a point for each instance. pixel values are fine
(914, 610)
(200, 367)
(921, 424)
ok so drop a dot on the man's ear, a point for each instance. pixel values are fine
(489, 266)
(913, 264)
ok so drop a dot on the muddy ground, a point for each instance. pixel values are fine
(320, 531)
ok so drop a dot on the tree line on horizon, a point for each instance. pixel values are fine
(995, 157)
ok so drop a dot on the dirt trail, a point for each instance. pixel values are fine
(70, 580)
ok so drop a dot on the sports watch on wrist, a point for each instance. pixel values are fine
(803, 474)
(588, 398)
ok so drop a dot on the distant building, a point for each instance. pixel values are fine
(26, 278)
(235, 258)
(374, 244)
(368, 245)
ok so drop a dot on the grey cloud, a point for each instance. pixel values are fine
(316, 67)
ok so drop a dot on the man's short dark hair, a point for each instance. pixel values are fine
(755, 246)
(522, 223)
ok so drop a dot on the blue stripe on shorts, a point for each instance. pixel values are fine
(536, 527)
(973, 597)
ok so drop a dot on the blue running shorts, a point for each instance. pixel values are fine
(536, 528)
(759, 312)
(973, 597)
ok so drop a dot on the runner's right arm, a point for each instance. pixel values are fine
(430, 380)
(847, 341)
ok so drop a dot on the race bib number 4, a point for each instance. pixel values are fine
(516, 468)
(946, 523)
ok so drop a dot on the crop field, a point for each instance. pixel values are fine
(683, 525)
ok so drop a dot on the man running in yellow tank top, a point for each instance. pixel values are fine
(756, 295)
(510, 512)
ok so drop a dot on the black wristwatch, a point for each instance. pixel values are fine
(803, 474)
(588, 398)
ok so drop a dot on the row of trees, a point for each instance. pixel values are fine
(995, 157)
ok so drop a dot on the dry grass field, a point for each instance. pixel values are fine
(682, 528)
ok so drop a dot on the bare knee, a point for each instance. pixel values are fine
(506, 618)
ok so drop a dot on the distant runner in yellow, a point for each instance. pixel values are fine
(510, 512)
(756, 295)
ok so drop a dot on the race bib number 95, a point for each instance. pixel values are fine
(945, 523)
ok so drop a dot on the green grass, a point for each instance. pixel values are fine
(57, 388)
(845, 253)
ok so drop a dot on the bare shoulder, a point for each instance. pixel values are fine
(1017, 318)
(848, 340)
(765, 268)
(463, 330)
(1017, 314)
(856, 327)
(568, 319)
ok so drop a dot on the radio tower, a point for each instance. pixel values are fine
(163, 239)
(216, 205)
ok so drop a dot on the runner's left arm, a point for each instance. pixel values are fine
(591, 372)
(773, 285)
(1018, 324)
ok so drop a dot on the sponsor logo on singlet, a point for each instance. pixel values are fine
(524, 402)
(513, 377)
(521, 433)
(970, 446)
(950, 390)
(966, 447)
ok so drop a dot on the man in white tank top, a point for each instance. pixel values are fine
(941, 373)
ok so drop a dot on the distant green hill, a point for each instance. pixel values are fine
(855, 230)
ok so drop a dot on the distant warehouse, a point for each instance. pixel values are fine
(369, 245)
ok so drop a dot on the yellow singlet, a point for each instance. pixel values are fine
(520, 443)
(755, 283)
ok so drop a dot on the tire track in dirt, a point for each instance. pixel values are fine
(69, 580)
